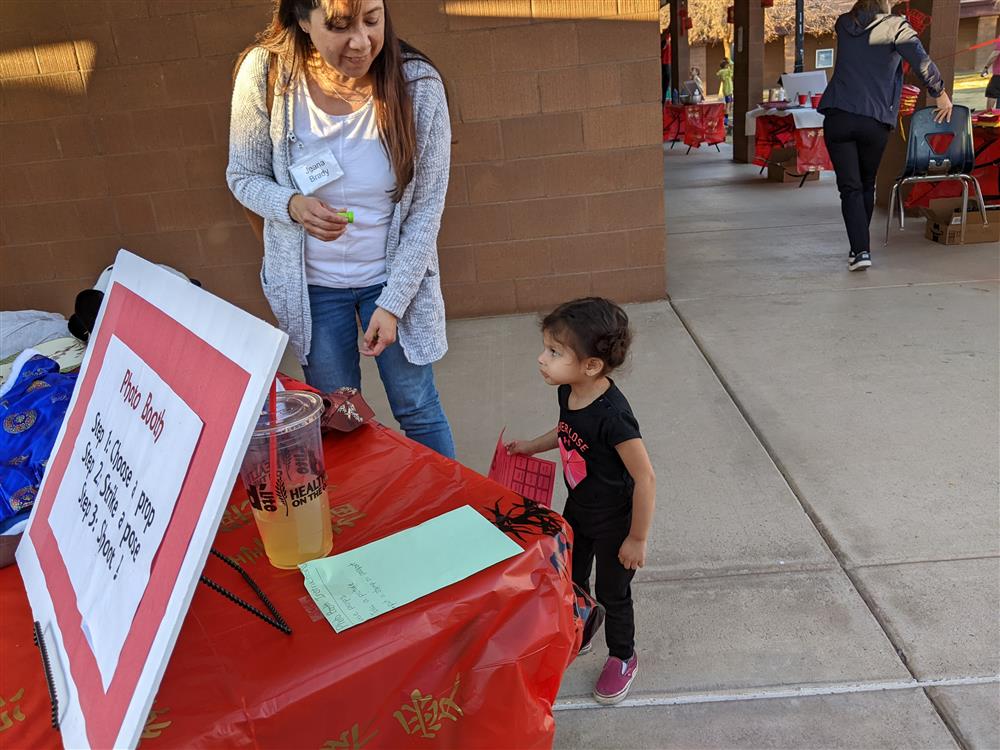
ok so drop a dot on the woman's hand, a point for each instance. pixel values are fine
(942, 108)
(381, 333)
(318, 219)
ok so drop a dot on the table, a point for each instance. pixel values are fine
(697, 123)
(987, 170)
(800, 128)
(477, 664)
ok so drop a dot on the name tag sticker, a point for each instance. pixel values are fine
(315, 170)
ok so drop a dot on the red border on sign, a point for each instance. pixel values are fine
(212, 385)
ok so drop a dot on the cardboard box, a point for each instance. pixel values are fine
(944, 222)
(781, 167)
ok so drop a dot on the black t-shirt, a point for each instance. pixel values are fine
(600, 487)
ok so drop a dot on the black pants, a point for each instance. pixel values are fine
(665, 76)
(855, 144)
(613, 585)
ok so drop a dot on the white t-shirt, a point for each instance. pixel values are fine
(357, 258)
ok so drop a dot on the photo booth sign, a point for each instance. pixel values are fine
(168, 395)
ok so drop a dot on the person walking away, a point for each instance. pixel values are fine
(611, 484)
(331, 113)
(861, 105)
(992, 69)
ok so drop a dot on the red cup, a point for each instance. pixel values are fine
(803, 98)
(816, 98)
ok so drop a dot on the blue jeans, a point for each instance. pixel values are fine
(334, 361)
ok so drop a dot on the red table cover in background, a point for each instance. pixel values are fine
(477, 664)
(780, 132)
(704, 123)
(673, 122)
(987, 171)
(694, 123)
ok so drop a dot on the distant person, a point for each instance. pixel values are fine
(861, 104)
(665, 53)
(992, 66)
(725, 75)
(696, 79)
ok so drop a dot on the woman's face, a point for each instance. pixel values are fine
(348, 44)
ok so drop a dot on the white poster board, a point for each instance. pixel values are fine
(810, 82)
(165, 402)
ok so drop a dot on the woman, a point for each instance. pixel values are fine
(358, 123)
(861, 104)
(992, 69)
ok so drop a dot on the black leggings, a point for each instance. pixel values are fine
(856, 144)
(613, 584)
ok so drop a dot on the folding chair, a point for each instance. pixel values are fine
(928, 159)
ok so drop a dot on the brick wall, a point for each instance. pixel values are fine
(114, 123)
(557, 183)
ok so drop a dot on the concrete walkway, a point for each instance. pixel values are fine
(825, 564)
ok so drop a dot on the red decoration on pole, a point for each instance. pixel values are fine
(766, 3)
(731, 14)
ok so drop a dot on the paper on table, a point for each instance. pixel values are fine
(366, 582)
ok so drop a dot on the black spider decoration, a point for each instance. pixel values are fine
(527, 518)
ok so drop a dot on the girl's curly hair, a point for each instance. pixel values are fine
(592, 327)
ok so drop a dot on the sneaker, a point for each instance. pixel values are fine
(615, 680)
(859, 261)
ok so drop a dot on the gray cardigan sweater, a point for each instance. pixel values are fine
(258, 175)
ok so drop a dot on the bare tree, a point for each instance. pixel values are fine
(711, 27)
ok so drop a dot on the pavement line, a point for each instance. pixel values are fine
(756, 229)
(969, 558)
(913, 285)
(726, 696)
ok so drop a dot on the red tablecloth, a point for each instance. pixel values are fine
(780, 132)
(673, 122)
(477, 664)
(987, 171)
(696, 123)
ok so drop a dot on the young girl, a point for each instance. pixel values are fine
(612, 488)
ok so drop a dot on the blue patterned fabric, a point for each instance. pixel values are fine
(31, 413)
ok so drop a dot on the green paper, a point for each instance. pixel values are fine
(366, 582)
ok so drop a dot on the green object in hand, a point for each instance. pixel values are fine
(349, 215)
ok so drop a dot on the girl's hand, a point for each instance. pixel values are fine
(632, 554)
(381, 333)
(523, 447)
(942, 108)
(318, 219)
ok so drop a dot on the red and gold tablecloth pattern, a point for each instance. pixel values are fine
(475, 665)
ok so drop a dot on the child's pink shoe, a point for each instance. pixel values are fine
(615, 680)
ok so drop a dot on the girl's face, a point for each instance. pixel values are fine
(560, 365)
(348, 44)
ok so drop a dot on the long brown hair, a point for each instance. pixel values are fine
(291, 46)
